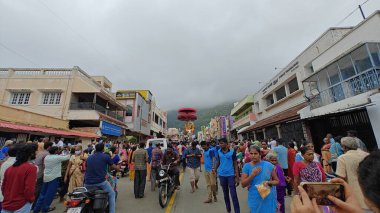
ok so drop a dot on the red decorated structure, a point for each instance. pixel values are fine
(188, 115)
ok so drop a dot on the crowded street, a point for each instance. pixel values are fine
(189, 106)
(182, 202)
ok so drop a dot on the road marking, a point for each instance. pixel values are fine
(172, 199)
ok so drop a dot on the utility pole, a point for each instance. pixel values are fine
(361, 10)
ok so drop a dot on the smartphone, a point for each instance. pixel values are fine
(320, 191)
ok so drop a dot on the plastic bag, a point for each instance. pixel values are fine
(263, 190)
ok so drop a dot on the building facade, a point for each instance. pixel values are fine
(159, 121)
(244, 117)
(343, 91)
(278, 102)
(86, 102)
(137, 118)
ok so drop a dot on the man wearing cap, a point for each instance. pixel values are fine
(348, 164)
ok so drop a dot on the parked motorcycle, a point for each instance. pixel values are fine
(166, 185)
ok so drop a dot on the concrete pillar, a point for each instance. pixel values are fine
(265, 136)
(254, 135)
(287, 91)
(278, 130)
(374, 116)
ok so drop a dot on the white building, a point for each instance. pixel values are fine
(343, 89)
(277, 103)
(159, 121)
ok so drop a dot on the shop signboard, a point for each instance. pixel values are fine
(110, 129)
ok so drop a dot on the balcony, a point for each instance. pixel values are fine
(357, 84)
(96, 107)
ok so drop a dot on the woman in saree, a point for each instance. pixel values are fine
(326, 155)
(281, 187)
(255, 173)
(75, 169)
(307, 170)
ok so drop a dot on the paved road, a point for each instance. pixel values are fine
(184, 202)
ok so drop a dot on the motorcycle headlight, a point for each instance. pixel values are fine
(161, 173)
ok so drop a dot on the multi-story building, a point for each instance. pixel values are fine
(84, 101)
(244, 116)
(278, 102)
(342, 88)
(159, 121)
(138, 116)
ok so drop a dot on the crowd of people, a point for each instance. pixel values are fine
(32, 173)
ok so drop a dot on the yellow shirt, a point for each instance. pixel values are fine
(347, 167)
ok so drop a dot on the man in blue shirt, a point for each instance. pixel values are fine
(96, 172)
(210, 176)
(149, 167)
(336, 150)
(282, 153)
(228, 174)
(193, 155)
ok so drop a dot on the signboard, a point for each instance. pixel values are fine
(223, 126)
(110, 129)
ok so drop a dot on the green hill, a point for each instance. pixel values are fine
(204, 115)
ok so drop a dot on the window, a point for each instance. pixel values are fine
(51, 98)
(280, 93)
(128, 112)
(361, 59)
(269, 100)
(346, 68)
(333, 73)
(138, 111)
(375, 53)
(20, 98)
(257, 107)
(293, 85)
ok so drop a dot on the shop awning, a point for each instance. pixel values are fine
(26, 128)
(287, 115)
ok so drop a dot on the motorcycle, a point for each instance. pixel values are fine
(124, 168)
(166, 185)
(87, 200)
(90, 199)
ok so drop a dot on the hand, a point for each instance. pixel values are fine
(65, 179)
(302, 203)
(265, 183)
(351, 205)
(256, 171)
(237, 181)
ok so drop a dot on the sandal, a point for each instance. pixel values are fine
(51, 209)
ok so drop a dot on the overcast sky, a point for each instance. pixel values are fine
(192, 53)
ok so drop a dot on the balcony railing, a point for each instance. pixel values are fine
(358, 84)
(96, 107)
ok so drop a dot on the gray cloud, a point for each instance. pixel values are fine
(188, 53)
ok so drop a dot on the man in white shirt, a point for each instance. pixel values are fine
(52, 173)
(272, 143)
(347, 167)
(60, 143)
